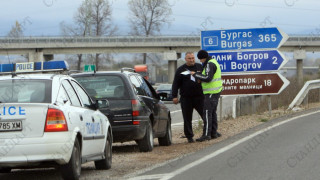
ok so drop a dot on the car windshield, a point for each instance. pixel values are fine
(104, 86)
(25, 91)
(164, 87)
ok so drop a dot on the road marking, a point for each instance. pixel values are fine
(175, 111)
(153, 176)
(194, 121)
(222, 150)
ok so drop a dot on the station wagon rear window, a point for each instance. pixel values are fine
(25, 91)
(104, 86)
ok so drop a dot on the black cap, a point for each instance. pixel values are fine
(202, 54)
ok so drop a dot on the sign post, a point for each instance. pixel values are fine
(248, 50)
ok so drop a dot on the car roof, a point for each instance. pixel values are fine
(31, 76)
(102, 73)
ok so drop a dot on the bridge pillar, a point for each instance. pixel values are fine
(172, 57)
(35, 56)
(299, 55)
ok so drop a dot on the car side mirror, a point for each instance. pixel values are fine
(102, 104)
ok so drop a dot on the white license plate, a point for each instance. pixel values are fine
(11, 126)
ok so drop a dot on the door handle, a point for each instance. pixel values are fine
(92, 119)
(81, 118)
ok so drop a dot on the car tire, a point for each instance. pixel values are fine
(105, 163)
(72, 170)
(5, 170)
(146, 143)
(167, 139)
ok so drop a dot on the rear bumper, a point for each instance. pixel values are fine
(51, 147)
(129, 132)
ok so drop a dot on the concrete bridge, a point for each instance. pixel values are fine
(43, 48)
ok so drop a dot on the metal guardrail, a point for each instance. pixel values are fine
(313, 84)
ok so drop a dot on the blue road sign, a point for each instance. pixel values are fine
(268, 60)
(235, 39)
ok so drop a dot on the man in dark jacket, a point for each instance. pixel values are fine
(190, 92)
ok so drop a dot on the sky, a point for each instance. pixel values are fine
(189, 17)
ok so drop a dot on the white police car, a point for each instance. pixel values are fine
(48, 120)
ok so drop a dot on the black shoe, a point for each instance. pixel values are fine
(203, 138)
(214, 136)
(183, 136)
(190, 140)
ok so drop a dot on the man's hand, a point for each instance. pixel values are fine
(175, 100)
(192, 72)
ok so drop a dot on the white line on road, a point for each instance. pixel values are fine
(222, 150)
(175, 111)
(194, 121)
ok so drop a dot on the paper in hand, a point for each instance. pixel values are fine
(186, 72)
(192, 79)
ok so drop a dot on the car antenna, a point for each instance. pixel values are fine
(13, 73)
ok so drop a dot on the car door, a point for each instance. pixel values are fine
(159, 105)
(77, 117)
(95, 134)
(148, 99)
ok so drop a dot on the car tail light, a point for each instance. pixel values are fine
(55, 121)
(135, 107)
(135, 110)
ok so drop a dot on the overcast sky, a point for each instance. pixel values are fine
(42, 17)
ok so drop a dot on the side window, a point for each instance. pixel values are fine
(71, 93)
(82, 94)
(137, 85)
(144, 86)
(62, 95)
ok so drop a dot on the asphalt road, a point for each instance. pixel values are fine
(287, 148)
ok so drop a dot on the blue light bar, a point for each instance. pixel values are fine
(6, 67)
(46, 66)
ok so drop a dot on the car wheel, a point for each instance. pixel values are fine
(107, 161)
(167, 139)
(146, 143)
(5, 170)
(72, 170)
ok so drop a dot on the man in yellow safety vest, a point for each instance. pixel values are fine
(211, 83)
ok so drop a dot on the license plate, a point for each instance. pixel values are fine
(11, 126)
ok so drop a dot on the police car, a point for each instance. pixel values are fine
(48, 120)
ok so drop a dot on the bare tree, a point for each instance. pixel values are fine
(16, 30)
(148, 16)
(93, 18)
(101, 20)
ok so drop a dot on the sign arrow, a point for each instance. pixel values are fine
(235, 39)
(254, 84)
(269, 60)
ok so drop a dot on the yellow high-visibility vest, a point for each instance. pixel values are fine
(215, 85)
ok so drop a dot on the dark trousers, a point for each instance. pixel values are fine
(210, 119)
(187, 106)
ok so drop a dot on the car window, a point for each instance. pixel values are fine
(82, 94)
(144, 86)
(137, 85)
(62, 95)
(71, 93)
(25, 91)
(104, 86)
